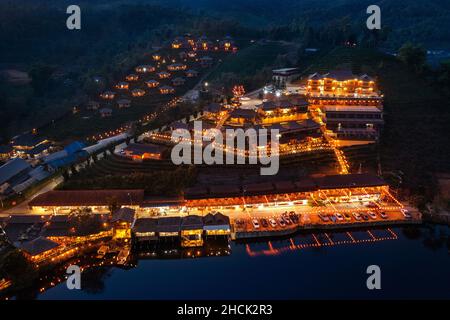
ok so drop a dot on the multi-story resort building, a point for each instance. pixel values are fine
(350, 105)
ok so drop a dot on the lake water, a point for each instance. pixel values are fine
(414, 262)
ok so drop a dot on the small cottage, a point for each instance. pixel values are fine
(152, 83)
(138, 92)
(105, 112)
(123, 103)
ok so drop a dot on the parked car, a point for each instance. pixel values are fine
(356, 215)
(339, 216)
(347, 217)
(373, 215)
(272, 222)
(324, 218)
(383, 215)
(294, 217)
(264, 223)
(364, 216)
(281, 222)
(255, 223)
(332, 217)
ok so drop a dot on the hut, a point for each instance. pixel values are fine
(163, 75)
(145, 68)
(145, 229)
(166, 90)
(105, 112)
(178, 81)
(138, 92)
(192, 231)
(191, 73)
(39, 249)
(123, 85)
(124, 103)
(176, 67)
(93, 105)
(132, 77)
(122, 220)
(152, 83)
(140, 151)
(108, 95)
(206, 62)
(169, 228)
(216, 224)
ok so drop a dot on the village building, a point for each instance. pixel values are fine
(30, 145)
(12, 173)
(178, 81)
(273, 111)
(242, 117)
(132, 77)
(166, 90)
(40, 249)
(178, 43)
(163, 75)
(341, 84)
(183, 55)
(145, 230)
(192, 54)
(204, 44)
(284, 76)
(152, 83)
(6, 152)
(122, 220)
(206, 62)
(108, 95)
(66, 229)
(124, 103)
(24, 227)
(138, 92)
(62, 201)
(191, 231)
(141, 151)
(176, 67)
(105, 112)
(93, 105)
(191, 73)
(308, 190)
(353, 122)
(216, 225)
(156, 56)
(122, 85)
(169, 228)
(145, 68)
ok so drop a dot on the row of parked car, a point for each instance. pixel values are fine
(363, 216)
(284, 220)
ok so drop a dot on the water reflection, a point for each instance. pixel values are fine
(97, 273)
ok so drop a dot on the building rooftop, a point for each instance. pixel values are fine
(141, 148)
(12, 168)
(145, 225)
(37, 246)
(191, 222)
(337, 108)
(124, 214)
(88, 197)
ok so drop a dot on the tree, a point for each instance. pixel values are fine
(414, 56)
(14, 266)
(40, 78)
